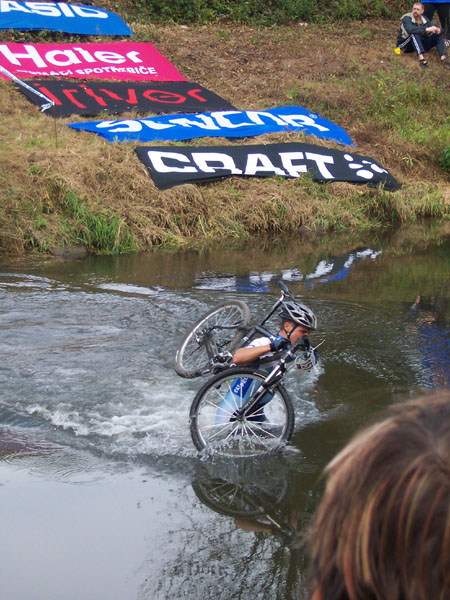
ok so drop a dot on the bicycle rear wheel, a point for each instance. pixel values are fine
(226, 322)
(215, 429)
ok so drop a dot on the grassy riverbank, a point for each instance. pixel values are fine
(61, 187)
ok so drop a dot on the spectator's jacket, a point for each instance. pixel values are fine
(409, 26)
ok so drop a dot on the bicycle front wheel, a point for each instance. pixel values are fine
(216, 429)
(224, 324)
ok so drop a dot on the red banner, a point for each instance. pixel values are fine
(120, 61)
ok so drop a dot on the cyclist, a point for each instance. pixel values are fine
(297, 320)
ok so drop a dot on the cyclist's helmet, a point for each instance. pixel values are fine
(299, 314)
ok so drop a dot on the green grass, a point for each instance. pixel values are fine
(265, 12)
(100, 232)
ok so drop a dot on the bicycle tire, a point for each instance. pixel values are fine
(213, 431)
(191, 357)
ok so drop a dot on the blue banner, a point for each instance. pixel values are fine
(227, 124)
(59, 16)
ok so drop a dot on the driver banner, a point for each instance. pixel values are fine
(228, 124)
(70, 97)
(176, 165)
(60, 16)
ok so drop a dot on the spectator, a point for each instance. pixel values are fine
(417, 33)
(382, 530)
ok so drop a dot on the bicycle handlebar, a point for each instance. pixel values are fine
(285, 290)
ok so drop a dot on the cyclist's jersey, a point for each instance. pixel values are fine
(242, 388)
(263, 341)
(256, 343)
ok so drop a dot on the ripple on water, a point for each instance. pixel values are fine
(91, 368)
(29, 450)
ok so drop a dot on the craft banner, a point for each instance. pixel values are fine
(122, 61)
(60, 16)
(111, 97)
(169, 166)
(228, 124)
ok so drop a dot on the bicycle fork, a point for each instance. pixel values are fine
(265, 388)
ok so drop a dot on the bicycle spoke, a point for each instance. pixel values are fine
(218, 331)
(216, 422)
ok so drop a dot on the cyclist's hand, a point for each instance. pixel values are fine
(306, 360)
(305, 344)
(279, 343)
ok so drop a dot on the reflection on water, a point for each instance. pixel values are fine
(331, 269)
(430, 327)
(88, 394)
(256, 494)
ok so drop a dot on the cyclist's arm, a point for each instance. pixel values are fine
(246, 355)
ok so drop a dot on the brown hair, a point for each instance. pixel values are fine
(382, 530)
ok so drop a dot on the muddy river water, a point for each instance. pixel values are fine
(102, 494)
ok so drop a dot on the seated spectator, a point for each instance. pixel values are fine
(418, 34)
(382, 530)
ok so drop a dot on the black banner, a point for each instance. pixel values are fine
(115, 97)
(175, 165)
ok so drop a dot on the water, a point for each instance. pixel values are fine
(102, 493)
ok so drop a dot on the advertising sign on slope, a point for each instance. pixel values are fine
(60, 16)
(93, 98)
(135, 61)
(228, 124)
(176, 165)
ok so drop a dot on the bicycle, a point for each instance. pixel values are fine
(209, 345)
(242, 411)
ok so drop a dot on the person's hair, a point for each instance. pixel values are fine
(382, 530)
(421, 4)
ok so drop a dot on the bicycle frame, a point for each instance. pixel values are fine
(222, 360)
(275, 375)
(259, 328)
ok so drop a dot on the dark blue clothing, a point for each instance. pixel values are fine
(414, 37)
(421, 44)
(443, 11)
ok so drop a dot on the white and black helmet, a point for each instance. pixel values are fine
(299, 314)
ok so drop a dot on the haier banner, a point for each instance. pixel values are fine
(228, 124)
(120, 61)
(60, 16)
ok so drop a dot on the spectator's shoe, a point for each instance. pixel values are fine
(424, 63)
(447, 43)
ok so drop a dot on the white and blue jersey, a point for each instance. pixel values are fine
(242, 388)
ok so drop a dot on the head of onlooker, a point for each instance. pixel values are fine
(417, 11)
(382, 530)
